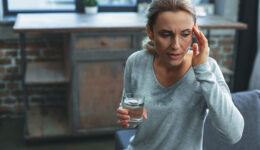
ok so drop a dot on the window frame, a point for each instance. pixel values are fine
(79, 8)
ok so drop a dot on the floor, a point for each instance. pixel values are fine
(11, 138)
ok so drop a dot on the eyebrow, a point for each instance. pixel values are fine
(186, 30)
(169, 31)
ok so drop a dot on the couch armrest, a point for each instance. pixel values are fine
(248, 103)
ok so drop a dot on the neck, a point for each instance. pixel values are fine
(167, 68)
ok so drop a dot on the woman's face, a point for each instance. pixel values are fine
(172, 34)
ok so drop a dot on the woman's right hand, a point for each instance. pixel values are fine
(123, 117)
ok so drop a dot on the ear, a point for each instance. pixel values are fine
(149, 32)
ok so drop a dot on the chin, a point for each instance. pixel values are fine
(176, 63)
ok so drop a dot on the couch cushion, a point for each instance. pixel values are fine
(248, 104)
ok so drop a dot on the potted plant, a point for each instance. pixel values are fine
(91, 6)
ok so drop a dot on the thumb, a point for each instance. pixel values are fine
(145, 113)
(195, 49)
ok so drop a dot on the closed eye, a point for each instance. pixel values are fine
(165, 35)
(185, 34)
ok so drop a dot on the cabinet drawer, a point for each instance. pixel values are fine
(107, 42)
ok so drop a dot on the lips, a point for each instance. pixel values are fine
(174, 56)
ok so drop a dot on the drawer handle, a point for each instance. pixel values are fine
(104, 43)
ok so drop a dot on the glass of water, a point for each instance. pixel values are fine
(134, 103)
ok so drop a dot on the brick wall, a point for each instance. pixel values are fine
(222, 48)
(37, 49)
(49, 47)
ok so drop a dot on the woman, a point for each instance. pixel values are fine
(179, 85)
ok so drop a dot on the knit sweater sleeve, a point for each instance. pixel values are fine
(224, 115)
(127, 81)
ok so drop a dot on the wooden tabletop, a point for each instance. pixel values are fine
(73, 22)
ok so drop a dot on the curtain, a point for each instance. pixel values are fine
(255, 76)
(247, 45)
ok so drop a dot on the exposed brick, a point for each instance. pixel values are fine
(11, 77)
(211, 42)
(4, 45)
(45, 59)
(51, 52)
(17, 93)
(215, 36)
(227, 36)
(4, 109)
(12, 86)
(226, 42)
(214, 50)
(217, 56)
(33, 92)
(229, 67)
(19, 107)
(229, 57)
(33, 52)
(18, 61)
(2, 69)
(4, 93)
(5, 61)
(32, 106)
(227, 49)
(35, 45)
(2, 86)
(12, 70)
(56, 45)
(11, 53)
(30, 86)
(37, 100)
(9, 101)
(227, 63)
(20, 100)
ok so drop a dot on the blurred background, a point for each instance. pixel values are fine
(59, 75)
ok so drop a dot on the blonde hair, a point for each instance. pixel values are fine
(158, 6)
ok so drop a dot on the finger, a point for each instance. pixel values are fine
(195, 49)
(145, 114)
(197, 33)
(126, 126)
(204, 40)
(122, 111)
(122, 122)
(123, 117)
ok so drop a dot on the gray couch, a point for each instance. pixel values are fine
(248, 104)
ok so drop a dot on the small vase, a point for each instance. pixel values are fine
(91, 10)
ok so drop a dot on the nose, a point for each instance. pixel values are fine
(175, 44)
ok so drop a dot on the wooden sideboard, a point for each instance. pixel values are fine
(96, 49)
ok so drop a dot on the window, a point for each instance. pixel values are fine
(12, 7)
(41, 5)
(117, 2)
(117, 5)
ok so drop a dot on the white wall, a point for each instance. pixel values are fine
(1, 9)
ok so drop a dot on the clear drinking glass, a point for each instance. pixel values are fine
(134, 103)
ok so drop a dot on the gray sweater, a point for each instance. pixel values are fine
(176, 114)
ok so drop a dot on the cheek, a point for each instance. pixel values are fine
(186, 42)
(161, 43)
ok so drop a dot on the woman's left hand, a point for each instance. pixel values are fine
(200, 49)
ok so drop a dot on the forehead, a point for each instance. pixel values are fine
(174, 20)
